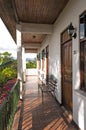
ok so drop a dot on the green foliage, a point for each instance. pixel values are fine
(5, 57)
(8, 108)
(31, 64)
(2, 80)
(8, 68)
(9, 73)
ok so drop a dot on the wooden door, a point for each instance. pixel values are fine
(47, 62)
(66, 57)
(83, 64)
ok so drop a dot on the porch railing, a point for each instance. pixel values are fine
(8, 108)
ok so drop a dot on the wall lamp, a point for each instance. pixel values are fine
(72, 31)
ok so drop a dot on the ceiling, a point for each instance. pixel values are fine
(35, 12)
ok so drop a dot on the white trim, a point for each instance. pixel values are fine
(36, 28)
(31, 45)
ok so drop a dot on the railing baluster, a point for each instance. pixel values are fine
(8, 108)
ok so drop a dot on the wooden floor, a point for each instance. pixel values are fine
(35, 115)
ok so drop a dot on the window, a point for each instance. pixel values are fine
(38, 61)
(43, 60)
(83, 64)
(83, 25)
(83, 50)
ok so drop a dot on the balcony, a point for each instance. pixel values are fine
(8, 107)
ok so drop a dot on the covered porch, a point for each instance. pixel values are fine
(32, 114)
(56, 31)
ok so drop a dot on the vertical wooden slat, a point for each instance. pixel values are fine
(39, 11)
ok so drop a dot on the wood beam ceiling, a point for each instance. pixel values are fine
(34, 18)
(15, 11)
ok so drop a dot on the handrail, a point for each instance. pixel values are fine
(8, 107)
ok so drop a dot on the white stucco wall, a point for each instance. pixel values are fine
(70, 14)
(79, 114)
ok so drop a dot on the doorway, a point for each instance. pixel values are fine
(66, 68)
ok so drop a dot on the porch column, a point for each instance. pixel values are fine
(41, 65)
(24, 64)
(38, 65)
(19, 58)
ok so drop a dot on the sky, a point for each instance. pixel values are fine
(7, 43)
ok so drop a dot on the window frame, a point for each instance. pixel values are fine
(82, 43)
(82, 15)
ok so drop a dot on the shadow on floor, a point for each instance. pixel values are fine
(48, 115)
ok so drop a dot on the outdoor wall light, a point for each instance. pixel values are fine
(72, 31)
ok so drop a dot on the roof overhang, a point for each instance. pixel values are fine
(35, 18)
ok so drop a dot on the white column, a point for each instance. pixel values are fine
(24, 64)
(19, 59)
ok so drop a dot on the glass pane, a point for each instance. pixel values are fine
(82, 27)
(85, 66)
(85, 25)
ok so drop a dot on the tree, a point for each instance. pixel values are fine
(31, 64)
(8, 68)
(5, 57)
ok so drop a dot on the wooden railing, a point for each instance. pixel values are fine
(8, 107)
